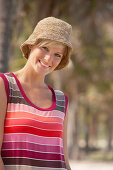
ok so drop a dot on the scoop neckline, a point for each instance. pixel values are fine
(29, 101)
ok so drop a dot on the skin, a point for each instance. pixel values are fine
(3, 105)
(32, 76)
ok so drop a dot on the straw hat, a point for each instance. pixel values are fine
(50, 28)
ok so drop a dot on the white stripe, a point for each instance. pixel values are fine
(32, 119)
(16, 96)
(34, 127)
(60, 100)
(59, 105)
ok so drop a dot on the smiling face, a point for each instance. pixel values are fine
(45, 57)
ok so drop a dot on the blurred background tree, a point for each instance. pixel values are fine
(88, 81)
(6, 26)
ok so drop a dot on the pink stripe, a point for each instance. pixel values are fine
(6, 85)
(32, 146)
(31, 154)
(34, 139)
(22, 107)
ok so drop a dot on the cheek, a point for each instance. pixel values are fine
(36, 52)
(57, 61)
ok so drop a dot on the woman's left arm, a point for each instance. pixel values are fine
(65, 125)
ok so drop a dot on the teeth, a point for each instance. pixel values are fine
(44, 64)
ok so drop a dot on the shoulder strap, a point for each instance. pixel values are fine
(66, 103)
(61, 101)
(13, 87)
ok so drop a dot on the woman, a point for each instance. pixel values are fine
(33, 116)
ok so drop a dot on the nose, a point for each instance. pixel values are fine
(48, 58)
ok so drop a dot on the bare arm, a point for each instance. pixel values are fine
(1, 164)
(65, 141)
(3, 106)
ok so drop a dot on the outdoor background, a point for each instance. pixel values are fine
(87, 80)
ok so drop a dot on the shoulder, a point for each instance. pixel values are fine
(3, 94)
(4, 85)
(3, 107)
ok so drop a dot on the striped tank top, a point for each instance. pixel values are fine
(33, 136)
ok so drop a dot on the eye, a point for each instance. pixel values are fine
(58, 55)
(45, 48)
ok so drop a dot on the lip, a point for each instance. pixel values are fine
(43, 64)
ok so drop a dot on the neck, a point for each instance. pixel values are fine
(29, 76)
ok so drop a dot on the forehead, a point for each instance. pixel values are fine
(52, 44)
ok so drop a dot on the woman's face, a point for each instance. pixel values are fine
(46, 58)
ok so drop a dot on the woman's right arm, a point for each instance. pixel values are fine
(3, 106)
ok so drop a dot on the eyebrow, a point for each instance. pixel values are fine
(48, 47)
(58, 52)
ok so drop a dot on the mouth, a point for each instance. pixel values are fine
(44, 65)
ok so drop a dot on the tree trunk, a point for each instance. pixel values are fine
(87, 128)
(109, 131)
(6, 11)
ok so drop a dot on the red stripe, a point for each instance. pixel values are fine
(34, 131)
